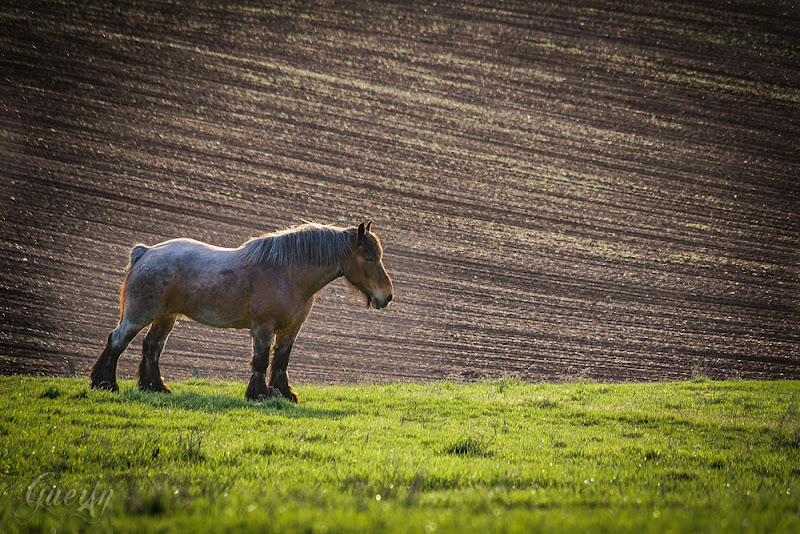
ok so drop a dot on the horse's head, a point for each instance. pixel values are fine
(363, 268)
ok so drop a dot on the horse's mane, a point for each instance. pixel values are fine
(310, 243)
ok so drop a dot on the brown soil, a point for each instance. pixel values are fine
(587, 190)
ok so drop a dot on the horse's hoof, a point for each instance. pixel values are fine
(156, 387)
(284, 392)
(105, 384)
(259, 395)
(274, 394)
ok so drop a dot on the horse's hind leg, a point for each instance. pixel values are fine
(149, 372)
(104, 372)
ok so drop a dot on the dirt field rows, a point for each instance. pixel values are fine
(595, 190)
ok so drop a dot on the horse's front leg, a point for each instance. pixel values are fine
(257, 390)
(278, 376)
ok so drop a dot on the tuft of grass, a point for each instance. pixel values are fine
(51, 392)
(789, 428)
(469, 446)
(190, 443)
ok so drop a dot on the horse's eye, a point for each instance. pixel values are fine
(368, 259)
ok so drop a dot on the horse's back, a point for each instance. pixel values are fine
(189, 277)
(181, 257)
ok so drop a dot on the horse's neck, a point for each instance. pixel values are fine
(311, 279)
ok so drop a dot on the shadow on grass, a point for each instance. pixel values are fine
(224, 403)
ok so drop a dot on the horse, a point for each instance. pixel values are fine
(267, 285)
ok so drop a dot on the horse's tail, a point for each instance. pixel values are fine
(136, 254)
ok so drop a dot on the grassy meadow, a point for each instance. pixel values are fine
(496, 456)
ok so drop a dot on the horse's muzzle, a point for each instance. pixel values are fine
(379, 303)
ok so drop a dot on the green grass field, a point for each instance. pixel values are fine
(498, 456)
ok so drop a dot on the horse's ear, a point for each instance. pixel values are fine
(369, 224)
(362, 231)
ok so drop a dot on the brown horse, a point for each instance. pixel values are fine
(267, 285)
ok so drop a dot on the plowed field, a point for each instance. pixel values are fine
(587, 189)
